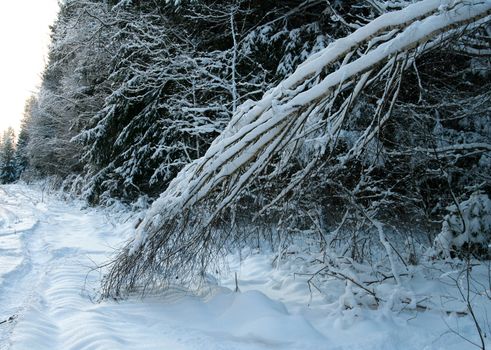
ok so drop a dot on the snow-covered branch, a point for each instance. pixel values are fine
(180, 233)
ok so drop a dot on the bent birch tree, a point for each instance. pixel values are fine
(186, 228)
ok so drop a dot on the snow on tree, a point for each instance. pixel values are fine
(170, 101)
(287, 136)
(466, 228)
(134, 90)
(178, 75)
(21, 151)
(7, 157)
(73, 89)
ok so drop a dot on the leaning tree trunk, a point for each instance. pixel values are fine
(178, 238)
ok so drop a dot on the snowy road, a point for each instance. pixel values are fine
(47, 251)
(48, 248)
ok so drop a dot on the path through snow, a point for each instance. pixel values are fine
(48, 248)
(47, 252)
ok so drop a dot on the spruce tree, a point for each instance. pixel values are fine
(7, 161)
(21, 151)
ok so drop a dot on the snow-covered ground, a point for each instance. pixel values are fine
(49, 247)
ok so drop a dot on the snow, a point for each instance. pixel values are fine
(469, 223)
(49, 290)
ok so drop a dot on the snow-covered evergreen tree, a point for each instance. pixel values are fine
(8, 169)
(73, 89)
(21, 149)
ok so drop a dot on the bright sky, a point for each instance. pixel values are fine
(24, 40)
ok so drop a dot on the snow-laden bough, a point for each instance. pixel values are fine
(182, 232)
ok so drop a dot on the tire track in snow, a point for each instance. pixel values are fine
(51, 300)
(17, 223)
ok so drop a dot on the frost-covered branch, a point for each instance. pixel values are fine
(186, 227)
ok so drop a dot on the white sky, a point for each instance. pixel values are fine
(24, 40)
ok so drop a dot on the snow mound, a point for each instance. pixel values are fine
(253, 315)
(7, 217)
(467, 228)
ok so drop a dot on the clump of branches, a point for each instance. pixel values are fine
(299, 130)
